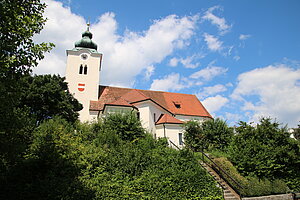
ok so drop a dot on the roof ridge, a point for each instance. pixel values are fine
(147, 90)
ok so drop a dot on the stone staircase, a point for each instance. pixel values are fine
(228, 192)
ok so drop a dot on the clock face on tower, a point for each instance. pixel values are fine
(84, 56)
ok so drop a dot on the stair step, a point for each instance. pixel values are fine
(229, 195)
(231, 198)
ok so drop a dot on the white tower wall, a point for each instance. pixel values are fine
(83, 84)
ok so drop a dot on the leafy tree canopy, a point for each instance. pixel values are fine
(211, 134)
(265, 150)
(125, 125)
(19, 21)
(47, 96)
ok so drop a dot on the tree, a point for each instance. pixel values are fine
(193, 135)
(218, 134)
(211, 134)
(126, 125)
(47, 96)
(265, 151)
(20, 21)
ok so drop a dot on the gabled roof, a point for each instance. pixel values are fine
(168, 119)
(175, 103)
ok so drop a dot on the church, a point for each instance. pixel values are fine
(160, 113)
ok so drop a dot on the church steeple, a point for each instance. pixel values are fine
(82, 73)
(86, 40)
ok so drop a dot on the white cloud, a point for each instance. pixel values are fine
(149, 72)
(244, 37)
(213, 43)
(211, 90)
(270, 91)
(170, 82)
(213, 104)
(125, 56)
(234, 118)
(186, 62)
(173, 62)
(63, 28)
(236, 58)
(209, 72)
(220, 22)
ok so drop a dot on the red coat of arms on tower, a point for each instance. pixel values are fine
(81, 87)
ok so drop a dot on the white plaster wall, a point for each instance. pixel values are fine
(91, 80)
(93, 116)
(160, 131)
(144, 115)
(171, 132)
(147, 110)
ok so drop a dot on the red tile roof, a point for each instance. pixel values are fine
(168, 119)
(120, 102)
(175, 103)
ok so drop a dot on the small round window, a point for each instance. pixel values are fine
(84, 56)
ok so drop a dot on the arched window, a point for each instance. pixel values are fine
(80, 69)
(85, 70)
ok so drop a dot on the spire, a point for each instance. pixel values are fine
(88, 25)
(86, 40)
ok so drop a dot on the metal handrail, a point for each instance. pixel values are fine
(218, 169)
(222, 170)
(174, 144)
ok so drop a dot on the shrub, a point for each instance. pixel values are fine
(82, 161)
(251, 186)
(262, 187)
(126, 125)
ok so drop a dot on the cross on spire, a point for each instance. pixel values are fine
(88, 24)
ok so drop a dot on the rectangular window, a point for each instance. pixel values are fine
(180, 139)
(154, 117)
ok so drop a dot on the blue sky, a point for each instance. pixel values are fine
(241, 58)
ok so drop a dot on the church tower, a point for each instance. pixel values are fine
(82, 73)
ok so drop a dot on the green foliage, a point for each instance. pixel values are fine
(39, 98)
(262, 187)
(82, 161)
(296, 133)
(193, 135)
(211, 134)
(125, 125)
(47, 96)
(265, 151)
(251, 186)
(50, 168)
(19, 21)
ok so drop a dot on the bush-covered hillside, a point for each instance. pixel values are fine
(263, 159)
(66, 161)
